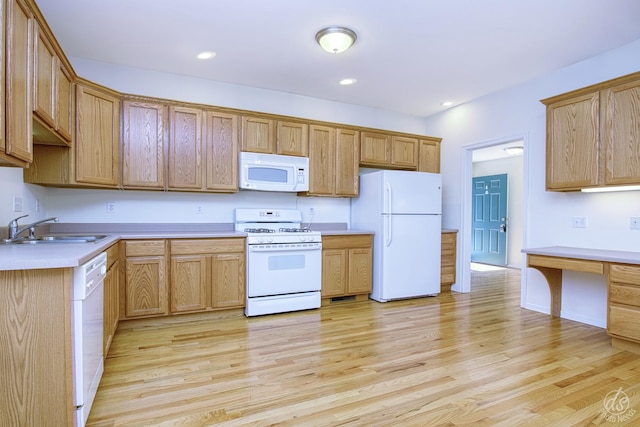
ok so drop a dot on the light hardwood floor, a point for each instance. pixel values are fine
(473, 359)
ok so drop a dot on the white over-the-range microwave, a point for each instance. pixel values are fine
(273, 172)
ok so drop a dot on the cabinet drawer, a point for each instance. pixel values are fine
(144, 248)
(206, 246)
(624, 294)
(625, 274)
(624, 321)
(112, 254)
(347, 241)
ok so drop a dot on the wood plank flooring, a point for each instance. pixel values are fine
(474, 359)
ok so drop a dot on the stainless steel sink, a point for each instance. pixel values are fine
(56, 239)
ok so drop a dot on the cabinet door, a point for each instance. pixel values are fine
(404, 152)
(448, 259)
(65, 97)
(334, 272)
(322, 165)
(18, 84)
(221, 147)
(360, 270)
(44, 78)
(258, 135)
(188, 283)
(185, 148)
(429, 156)
(143, 144)
(374, 148)
(573, 143)
(622, 134)
(111, 304)
(292, 139)
(228, 276)
(97, 136)
(146, 289)
(347, 162)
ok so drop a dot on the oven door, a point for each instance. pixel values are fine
(276, 269)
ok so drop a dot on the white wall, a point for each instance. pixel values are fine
(512, 166)
(515, 113)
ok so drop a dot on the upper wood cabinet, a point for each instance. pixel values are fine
(16, 148)
(388, 151)
(258, 135)
(221, 151)
(185, 148)
(53, 94)
(593, 136)
(97, 144)
(292, 139)
(429, 155)
(143, 148)
(333, 161)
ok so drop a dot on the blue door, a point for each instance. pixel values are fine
(489, 220)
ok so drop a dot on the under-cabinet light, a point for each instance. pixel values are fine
(611, 189)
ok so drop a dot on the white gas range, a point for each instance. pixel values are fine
(284, 261)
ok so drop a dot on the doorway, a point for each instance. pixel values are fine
(484, 159)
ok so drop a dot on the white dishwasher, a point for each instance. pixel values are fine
(88, 316)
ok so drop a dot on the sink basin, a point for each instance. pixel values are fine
(57, 239)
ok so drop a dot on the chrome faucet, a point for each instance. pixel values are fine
(15, 230)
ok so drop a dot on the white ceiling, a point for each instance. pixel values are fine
(410, 55)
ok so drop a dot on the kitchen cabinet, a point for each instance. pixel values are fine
(207, 274)
(292, 139)
(16, 148)
(36, 336)
(258, 135)
(143, 147)
(448, 255)
(429, 155)
(623, 311)
(111, 296)
(146, 291)
(52, 93)
(221, 151)
(593, 136)
(347, 263)
(185, 148)
(333, 161)
(97, 143)
(388, 151)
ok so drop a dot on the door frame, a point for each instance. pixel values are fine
(464, 255)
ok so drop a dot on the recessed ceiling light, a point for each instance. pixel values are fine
(206, 55)
(348, 81)
(447, 104)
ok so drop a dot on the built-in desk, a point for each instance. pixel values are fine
(623, 284)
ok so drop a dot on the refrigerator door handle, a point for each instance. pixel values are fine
(389, 233)
(387, 187)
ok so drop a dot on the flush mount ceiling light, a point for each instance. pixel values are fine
(348, 81)
(336, 39)
(206, 55)
(514, 151)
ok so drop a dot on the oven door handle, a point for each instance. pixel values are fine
(285, 247)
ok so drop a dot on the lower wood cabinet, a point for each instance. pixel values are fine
(623, 311)
(111, 300)
(448, 259)
(207, 274)
(347, 263)
(145, 278)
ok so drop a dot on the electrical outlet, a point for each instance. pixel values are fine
(579, 222)
(199, 209)
(17, 204)
(38, 207)
(311, 211)
(634, 223)
(111, 207)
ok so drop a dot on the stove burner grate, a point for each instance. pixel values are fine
(294, 230)
(259, 230)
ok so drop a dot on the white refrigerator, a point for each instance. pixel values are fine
(404, 210)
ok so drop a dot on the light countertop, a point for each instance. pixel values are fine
(624, 257)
